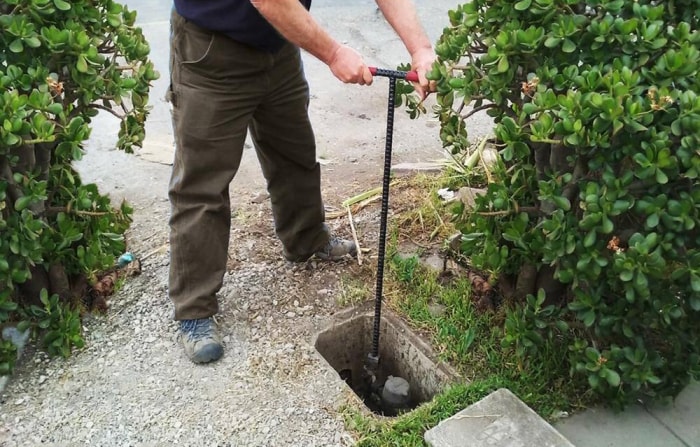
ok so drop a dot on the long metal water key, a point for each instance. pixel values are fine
(393, 75)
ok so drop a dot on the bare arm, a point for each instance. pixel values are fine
(295, 23)
(402, 16)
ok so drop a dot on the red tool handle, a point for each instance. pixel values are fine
(411, 76)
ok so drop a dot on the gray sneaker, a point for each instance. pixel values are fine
(336, 249)
(201, 340)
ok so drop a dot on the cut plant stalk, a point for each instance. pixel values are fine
(358, 202)
(354, 236)
(362, 196)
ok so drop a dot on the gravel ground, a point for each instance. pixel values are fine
(133, 385)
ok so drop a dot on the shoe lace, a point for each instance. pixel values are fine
(332, 242)
(196, 329)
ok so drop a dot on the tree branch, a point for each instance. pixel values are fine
(532, 210)
(101, 107)
(50, 139)
(545, 140)
(478, 109)
(69, 210)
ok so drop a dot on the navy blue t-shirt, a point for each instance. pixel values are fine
(237, 19)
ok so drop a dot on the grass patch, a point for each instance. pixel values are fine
(470, 341)
(353, 292)
(419, 217)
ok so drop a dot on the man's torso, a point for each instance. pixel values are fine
(237, 19)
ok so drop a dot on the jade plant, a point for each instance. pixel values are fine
(61, 63)
(590, 224)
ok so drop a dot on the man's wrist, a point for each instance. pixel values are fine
(332, 53)
(428, 49)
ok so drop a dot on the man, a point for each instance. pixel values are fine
(236, 67)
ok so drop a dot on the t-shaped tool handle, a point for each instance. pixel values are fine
(407, 75)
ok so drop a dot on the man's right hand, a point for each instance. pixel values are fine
(348, 66)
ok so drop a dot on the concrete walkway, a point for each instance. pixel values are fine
(673, 425)
(503, 420)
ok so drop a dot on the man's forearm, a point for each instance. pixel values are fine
(295, 23)
(402, 16)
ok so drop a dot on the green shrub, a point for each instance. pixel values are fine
(594, 203)
(60, 64)
(59, 325)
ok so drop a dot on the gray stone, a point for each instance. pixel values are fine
(396, 392)
(500, 420)
(468, 196)
(455, 242)
(434, 262)
(19, 339)
(437, 310)
(260, 198)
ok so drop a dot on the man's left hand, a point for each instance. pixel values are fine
(422, 62)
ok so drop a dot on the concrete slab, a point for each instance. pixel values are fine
(606, 428)
(500, 420)
(347, 338)
(154, 19)
(423, 166)
(683, 416)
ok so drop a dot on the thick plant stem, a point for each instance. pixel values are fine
(13, 190)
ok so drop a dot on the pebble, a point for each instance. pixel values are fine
(436, 310)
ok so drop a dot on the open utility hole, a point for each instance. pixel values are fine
(402, 354)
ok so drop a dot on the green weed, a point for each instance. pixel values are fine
(353, 292)
(472, 342)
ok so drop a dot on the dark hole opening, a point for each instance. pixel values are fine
(403, 360)
(370, 388)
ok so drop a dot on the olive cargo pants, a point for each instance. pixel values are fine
(219, 90)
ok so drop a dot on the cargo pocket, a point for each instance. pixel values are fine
(192, 45)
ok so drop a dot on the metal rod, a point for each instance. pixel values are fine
(373, 358)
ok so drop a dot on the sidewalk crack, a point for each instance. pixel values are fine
(682, 441)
